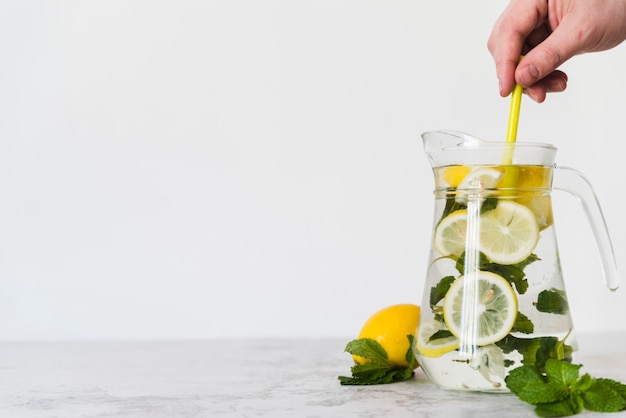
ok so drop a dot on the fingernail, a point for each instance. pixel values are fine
(557, 85)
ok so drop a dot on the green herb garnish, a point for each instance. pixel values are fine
(438, 292)
(378, 370)
(560, 391)
(552, 301)
(536, 351)
(523, 324)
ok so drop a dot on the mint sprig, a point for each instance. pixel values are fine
(560, 391)
(378, 370)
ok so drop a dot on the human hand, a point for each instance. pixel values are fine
(548, 33)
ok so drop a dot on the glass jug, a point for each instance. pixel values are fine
(494, 297)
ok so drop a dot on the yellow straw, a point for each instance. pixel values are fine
(511, 132)
(516, 101)
(511, 173)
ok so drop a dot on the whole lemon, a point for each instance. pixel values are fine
(390, 327)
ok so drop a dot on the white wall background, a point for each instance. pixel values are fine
(216, 169)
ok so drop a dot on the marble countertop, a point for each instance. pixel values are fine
(240, 378)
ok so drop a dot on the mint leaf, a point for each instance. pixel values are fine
(410, 353)
(536, 351)
(371, 377)
(369, 371)
(552, 301)
(442, 333)
(562, 372)
(560, 392)
(451, 205)
(600, 397)
(513, 273)
(563, 408)
(438, 292)
(582, 384)
(615, 385)
(522, 376)
(552, 348)
(529, 260)
(544, 393)
(488, 204)
(368, 348)
(530, 386)
(523, 324)
(562, 351)
(379, 370)
(372, 374)
(576, 402)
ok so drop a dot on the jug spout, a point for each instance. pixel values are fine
(438, 144)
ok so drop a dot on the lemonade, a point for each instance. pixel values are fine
(494, 300)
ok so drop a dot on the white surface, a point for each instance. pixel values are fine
(215, 169)
(240, 378)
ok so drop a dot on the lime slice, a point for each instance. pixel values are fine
(508, 233)
(450, 234)
(436, 347)
(496, 308)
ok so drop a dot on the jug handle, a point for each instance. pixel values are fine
(575, 183)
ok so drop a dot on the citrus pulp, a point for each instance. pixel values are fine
(495, 308)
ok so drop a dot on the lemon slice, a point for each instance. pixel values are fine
(508, 233)
(481, 178)
(450, 234)
(437, 347)
(532, 179)
(496, 308)
(541, 206)
(478, 178)
(454, 174)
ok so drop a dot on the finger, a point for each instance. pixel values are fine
(505, 48)
(536, 37)
(508, 35)
(552, 83)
